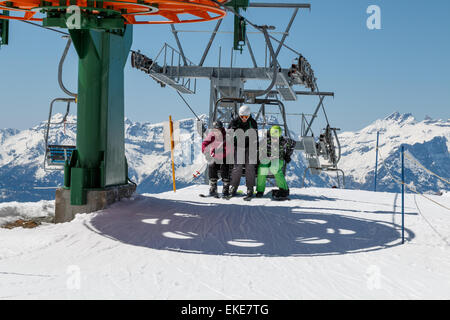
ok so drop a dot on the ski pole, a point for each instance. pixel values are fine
(172, 146)
(403, 194)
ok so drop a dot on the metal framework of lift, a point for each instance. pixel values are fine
(171, 67)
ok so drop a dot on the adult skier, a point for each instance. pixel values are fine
(215, 149)
(249, 150)
(278, 150)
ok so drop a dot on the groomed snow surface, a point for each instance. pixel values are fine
(323, 244)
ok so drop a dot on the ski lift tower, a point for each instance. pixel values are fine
(101, 31)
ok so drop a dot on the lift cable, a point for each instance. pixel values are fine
(51, 29)
(323, 107)
(413, 189)
(188, 106)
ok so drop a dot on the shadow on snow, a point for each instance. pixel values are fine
(243, 230)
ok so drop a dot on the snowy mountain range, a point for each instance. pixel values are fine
(22, 177)
(427, 142)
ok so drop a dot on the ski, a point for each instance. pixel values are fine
(247, 198)
(281, 199)
(228, 197)
(209, 196)
(278, 195)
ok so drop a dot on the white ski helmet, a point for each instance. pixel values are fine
(244, 111)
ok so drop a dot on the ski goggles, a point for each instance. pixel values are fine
(244, 117)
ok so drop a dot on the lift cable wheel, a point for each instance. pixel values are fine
(113, 14)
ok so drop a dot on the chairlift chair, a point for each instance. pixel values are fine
(56, 155)
(225, 109)
(325, 147)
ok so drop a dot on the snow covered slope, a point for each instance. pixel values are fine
(12, 211)
(323, 244)
(22, 152)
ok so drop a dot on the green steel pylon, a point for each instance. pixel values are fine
(102, 44)
(99, 160)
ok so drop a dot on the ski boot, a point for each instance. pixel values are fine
(226, 190)
(249, 195)
(280, 194)
(259, 194)
(275, 193)
(213, 188)
(231, 193)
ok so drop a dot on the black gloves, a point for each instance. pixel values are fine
(287, 158)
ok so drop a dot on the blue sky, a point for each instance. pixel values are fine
(403, 67)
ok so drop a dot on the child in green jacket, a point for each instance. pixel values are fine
(279, 150)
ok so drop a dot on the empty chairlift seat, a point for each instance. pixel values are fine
(58, 154)
(311, 154)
